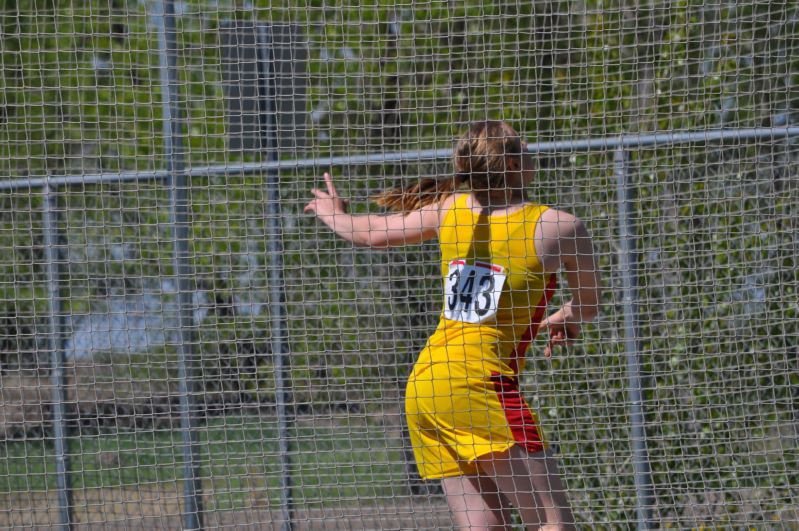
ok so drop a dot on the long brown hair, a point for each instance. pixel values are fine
(480, 159)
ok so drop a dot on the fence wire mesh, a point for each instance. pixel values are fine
(82, 107)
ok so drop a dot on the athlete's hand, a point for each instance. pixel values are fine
(326, 203)
(561, 331)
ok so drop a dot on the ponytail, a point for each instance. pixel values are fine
(426, 191)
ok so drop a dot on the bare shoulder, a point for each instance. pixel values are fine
(447, 203)
(441, 208)
(427, 218)
(558, 224)
(560, 237)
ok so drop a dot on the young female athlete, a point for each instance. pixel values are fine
(468, 422)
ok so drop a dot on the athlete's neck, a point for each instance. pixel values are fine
(497, 200)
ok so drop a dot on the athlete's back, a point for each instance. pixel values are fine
(495, 288)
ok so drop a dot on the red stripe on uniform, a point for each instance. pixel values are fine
(493, 267)
(535, 323)
(517, 412)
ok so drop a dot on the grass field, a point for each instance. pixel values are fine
(337, 461)
(348, 472)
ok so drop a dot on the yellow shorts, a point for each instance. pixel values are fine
(460, 411)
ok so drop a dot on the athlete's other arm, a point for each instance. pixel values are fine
(563, 243)
(373, 230)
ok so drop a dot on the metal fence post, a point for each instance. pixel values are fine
(280, 348)
(57, 358)
(164, 19)
(627, 265)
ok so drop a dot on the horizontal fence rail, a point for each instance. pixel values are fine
(426, 155)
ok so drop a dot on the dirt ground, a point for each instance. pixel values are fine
(145, 509)
(153, 508)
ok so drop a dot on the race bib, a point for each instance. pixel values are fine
(472, 291)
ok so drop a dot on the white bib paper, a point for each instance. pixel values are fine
(472, 291)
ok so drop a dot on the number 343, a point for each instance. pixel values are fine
(472, 291)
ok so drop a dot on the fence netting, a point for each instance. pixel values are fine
(280, 92)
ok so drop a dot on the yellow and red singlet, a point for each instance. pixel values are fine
(462, 398)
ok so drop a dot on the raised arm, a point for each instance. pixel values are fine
(563, 243)
(373, 230)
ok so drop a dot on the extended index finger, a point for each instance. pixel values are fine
(329, 183)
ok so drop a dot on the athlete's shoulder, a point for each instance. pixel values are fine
(445, 206)
(452, 199)
(559, 226)
(560, 218)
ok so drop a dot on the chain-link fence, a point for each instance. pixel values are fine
(180, 345)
